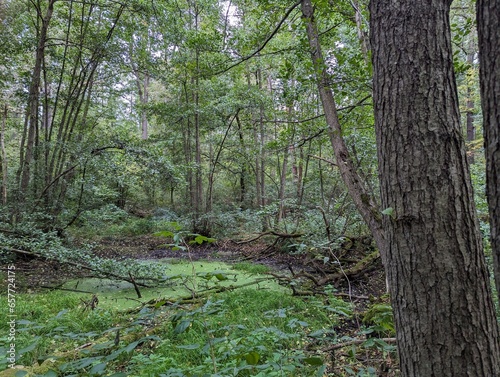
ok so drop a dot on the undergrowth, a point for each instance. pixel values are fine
(248, 332)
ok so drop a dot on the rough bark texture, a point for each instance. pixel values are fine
(488, 21)
(438, 280)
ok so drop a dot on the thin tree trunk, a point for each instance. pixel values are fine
(3, 161)
(488, 21)
(470, 129)
(243, 170)
(31, 121)
(364, 201)
(439, 284)
(363, 40)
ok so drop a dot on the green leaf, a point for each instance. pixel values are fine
(182, 326)
(29, 348)
(160, 303)
(114, 354)
(313, 361)
(252, 358)
(50, 373)
(98, 368)
(132, 346)
(200, 239)
(388, 211)
(189, 347)
(321, 371)
(221, 277)
(369, 343)
(164, 233)
(24, 322)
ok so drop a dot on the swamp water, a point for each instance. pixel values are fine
(183, 278)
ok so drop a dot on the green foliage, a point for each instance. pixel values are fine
(26, 237)
(251, 268)
(242, 333)
(182, 238)
(379, 319)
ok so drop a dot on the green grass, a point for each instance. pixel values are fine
(255, 331)
(234, 325)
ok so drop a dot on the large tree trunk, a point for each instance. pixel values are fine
(443, 310)
(488, 21)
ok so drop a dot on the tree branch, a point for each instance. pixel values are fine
(268, 39)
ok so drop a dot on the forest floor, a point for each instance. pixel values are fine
(361, 289)
(370, 282)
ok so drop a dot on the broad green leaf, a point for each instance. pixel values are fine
(221, 277)
(182, 326)
(164, 233)
(252, 358)
(313, 361)
(98, 368)
(132, 346)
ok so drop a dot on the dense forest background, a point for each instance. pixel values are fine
(206, 111)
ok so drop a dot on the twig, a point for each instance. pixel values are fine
(135, 285)
(271, 233)
(64, 289)
(337, 346)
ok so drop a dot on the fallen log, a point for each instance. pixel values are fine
(271, 233)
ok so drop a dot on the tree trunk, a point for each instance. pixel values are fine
(363, 40)
(439, 284)
(488, 21)
(469, 104)
(142, 82)
(362, 198)
(3, 159)
(31, 121)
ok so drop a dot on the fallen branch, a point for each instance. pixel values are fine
(337, 346)
(354, 271)
(194, 296)
(64, 289)
(271, 233)
(135, 285)
(74, 264)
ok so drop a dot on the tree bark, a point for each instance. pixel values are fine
(439, 284)
(488, 22)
